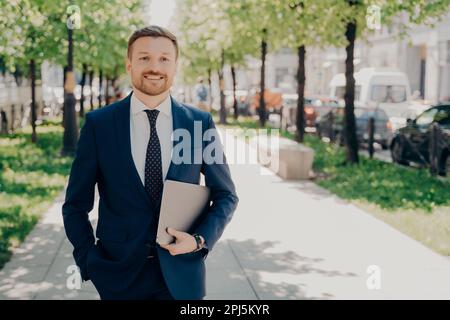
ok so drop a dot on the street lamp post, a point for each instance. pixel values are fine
(70, 119)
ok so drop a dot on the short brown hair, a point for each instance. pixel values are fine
(152, 31)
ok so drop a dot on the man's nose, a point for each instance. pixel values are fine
(153, 67)
(154, 71)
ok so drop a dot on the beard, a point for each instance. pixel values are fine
(151, 87)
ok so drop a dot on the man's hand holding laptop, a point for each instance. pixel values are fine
(184, 243)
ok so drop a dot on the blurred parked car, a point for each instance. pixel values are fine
(411, 143)
(314, 107)
(378, 88)
(410, 112)
(273, 100)
(383, 88)
(382, 132)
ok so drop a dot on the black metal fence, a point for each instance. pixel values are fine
(16, 116)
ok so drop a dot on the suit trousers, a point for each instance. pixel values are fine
(148, 285)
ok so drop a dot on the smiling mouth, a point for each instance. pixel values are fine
(154, 77)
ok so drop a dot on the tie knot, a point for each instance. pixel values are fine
(152, 115)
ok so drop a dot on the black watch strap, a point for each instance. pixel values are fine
(199, 241)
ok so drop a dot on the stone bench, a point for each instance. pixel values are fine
(293, 162)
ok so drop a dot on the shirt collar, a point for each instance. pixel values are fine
(164, 107)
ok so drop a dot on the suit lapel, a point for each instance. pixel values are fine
(178, 122)
(122, 123)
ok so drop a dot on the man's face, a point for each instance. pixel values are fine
(152, 65)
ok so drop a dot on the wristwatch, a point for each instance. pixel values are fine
(199, 240)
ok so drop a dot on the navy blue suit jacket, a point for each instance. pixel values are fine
(126, 212)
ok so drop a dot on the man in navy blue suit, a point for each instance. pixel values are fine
(127, 150)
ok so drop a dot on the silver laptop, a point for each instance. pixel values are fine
(181, 205)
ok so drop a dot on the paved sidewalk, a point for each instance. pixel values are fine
(287, 240)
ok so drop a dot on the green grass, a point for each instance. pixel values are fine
(388, 185)
(31, 176)
(410, 199)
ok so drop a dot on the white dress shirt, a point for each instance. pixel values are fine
(140, 134)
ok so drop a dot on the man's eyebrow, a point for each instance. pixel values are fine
(145, 52)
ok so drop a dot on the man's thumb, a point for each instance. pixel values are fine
(172, 232)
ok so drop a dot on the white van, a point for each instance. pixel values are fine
(387, 89)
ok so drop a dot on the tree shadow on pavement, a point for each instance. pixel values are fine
(41, 267)
(269, 272)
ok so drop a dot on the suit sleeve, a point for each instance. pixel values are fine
(223, 196)
(79, 199)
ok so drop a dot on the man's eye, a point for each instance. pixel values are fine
(143, 58)
(164, 59)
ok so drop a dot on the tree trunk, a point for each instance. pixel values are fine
(82, 84)
(3, 122)
(100, 87)
(350, 138)
(210, 89)
(113, 85)
(262, 102)
(33, 100)
(13, 118)
(18, 76)
(223, 110)
(116, 92)
(91, 98)
(70, 137)
(107, 91)
(235, 105)
(300, 121)
(22, 115)
(2, 67)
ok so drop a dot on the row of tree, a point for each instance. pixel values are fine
(218, 33)
(89, 35)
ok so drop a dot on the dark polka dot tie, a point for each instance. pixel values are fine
(153, 166)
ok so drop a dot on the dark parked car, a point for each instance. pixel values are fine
(412, 142)
(382, 133)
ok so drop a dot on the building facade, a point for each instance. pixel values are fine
(423, 54)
